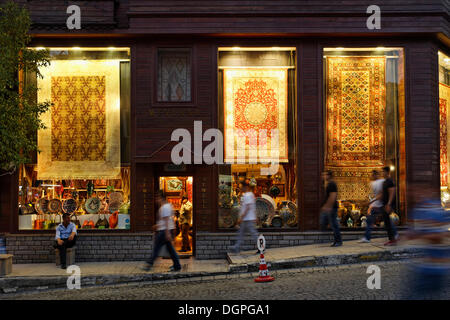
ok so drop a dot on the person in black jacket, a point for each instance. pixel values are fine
(328, 212)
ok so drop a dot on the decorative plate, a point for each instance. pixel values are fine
(277, 222)
(92, 205)
(274, 191)
(54, 206)
(116, 197)
(69, 206)
(42, 205)
(114, 206)
(267, 197)
(264, 209)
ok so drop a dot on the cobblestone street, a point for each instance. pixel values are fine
(340, 282)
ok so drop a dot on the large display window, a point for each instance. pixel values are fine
(82, 167)
(363, 106)
(257, 114)
(444, 104)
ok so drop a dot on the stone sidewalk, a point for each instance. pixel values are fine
(32, 277)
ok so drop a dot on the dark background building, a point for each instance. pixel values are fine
(212, 35)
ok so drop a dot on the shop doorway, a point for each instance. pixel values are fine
(179, 192)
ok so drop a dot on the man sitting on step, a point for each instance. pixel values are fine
(66, 236)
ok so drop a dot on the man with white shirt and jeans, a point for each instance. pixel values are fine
(247, 218)
(375, 204)
(163, 235)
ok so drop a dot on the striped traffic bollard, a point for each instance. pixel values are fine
(263, 271)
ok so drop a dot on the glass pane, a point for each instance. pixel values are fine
(257, 116)
(444, 104)
(363, 91)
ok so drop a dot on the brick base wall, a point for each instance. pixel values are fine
(34, 248)
(216, 245)
(90, 247)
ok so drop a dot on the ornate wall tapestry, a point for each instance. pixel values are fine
(444, 103)
(356, 99)
(174, 75)
(82, 138)
(255, 100)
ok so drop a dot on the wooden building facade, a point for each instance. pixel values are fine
(417, 30)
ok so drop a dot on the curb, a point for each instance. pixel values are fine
(323, 261)
(14, 285)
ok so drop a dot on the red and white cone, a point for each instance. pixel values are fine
(263, 271)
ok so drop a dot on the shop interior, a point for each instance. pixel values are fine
(179, 193)
(257, 96)
(83, 164)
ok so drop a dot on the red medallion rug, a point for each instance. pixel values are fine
(255, 101)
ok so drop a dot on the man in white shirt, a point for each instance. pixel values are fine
(163, 235)
(375, 204)
(247, 218)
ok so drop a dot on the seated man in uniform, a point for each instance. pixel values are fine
(66, 236)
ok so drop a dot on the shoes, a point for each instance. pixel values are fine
(147, 267)
(391, 243)
(172, 268)
(63, 266)
(336, 244)
(364, 240)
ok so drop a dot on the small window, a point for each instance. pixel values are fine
(174, 75)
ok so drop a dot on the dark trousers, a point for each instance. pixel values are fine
(185, 235)
(160, 241)
(388, 225)
(62, 248)
(331, 218)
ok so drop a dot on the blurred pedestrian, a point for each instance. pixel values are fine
(389, 206)
(328, 212)
(375, 204)
(163, 235)
(429, 277)
(247, 219)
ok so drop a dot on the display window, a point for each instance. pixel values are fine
(257, 114)
(82, 166)
(363, 109)
(444, 104)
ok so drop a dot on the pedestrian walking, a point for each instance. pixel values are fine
(163, 235)
(375, 204)
(247, 219)
(328, 212)
(428, 277)
(66, 237)
(388, 199)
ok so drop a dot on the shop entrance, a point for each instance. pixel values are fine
(179, 192)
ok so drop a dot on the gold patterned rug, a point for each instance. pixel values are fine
(82, 135)
(356, 99)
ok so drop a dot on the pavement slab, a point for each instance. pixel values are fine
(32, 277)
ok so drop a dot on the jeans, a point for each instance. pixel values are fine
(374, 212)
(331, 217)
(390, 227)
(246, 227)
(160, 241)
(62, 248)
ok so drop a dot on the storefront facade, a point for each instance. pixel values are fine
(342, 97)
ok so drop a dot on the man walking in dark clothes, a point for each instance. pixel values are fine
(389, 206)
(328, 212)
